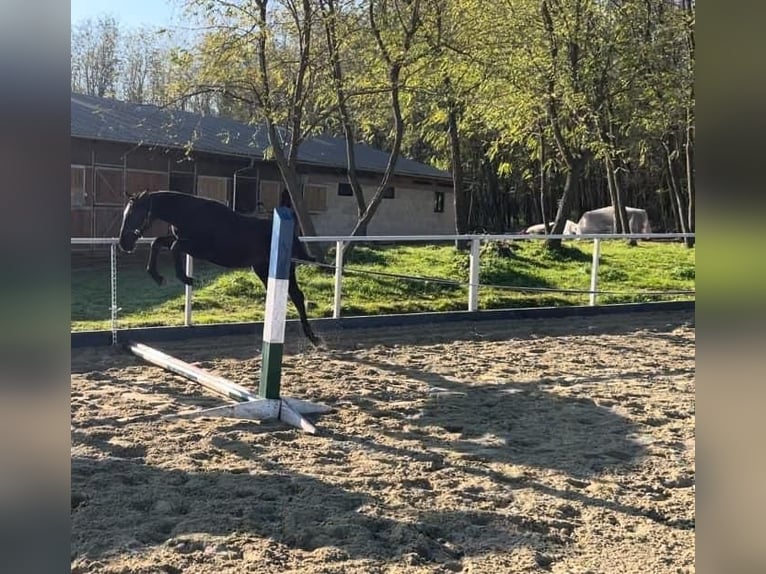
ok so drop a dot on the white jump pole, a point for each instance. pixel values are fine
(250, 406)
(214, 383)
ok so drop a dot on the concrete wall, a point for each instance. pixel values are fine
(409, 212)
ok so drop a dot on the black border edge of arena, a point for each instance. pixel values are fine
(326, 324)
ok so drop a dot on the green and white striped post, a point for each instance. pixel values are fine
(276, 303)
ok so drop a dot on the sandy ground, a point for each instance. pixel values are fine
(524, 446)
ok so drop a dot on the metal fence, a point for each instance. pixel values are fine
(342, 241)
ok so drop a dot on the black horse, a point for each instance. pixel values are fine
(211, 231)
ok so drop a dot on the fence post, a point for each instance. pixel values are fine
(473, 281)
(338, 279)
(188, 292)
(594, 271)
(113, 278)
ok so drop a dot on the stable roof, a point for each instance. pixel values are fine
(149, 125)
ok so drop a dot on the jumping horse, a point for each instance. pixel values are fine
(209, 230)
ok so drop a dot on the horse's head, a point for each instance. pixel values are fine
(135, 219)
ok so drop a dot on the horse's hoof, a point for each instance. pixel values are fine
(187, 281)
(159, 279)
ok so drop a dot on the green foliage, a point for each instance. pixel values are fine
(531, 82)
(364, 256)
(564, 254)
(683, 272)
(229, 296)
(238, 284)
(611, 274)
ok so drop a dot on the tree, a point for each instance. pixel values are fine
(563, 22)
(331, 17)
(664, 131)
(262, 57)
(394, 26)
(134, 65)
(95, 61)
(453, 82)
(145, 68)
(539, 108)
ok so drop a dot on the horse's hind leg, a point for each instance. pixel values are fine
(296, 296)
(151, 264)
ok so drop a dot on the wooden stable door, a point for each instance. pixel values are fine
(108, 187)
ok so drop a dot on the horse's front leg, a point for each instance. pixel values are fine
(151, 264)
(180, 248)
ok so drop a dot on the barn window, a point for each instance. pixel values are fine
(388, 193)
(438, 202)
(78, 187)
(315, 197)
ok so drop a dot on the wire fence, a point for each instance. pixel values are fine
(515, 288)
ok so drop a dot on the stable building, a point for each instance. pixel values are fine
(121, 148)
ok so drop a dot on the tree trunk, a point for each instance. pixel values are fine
(689, 132)
(493, 215)
(395, 65)
(287, 163)
(331, 34)
(620, 213)
(674, 193)
(689, 241)
(292, 182)
(460, 196)
(612, 194)
(574, 173)
(372, 207)
(543, 210)
(674, 209)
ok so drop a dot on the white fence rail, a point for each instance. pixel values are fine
(341, 241)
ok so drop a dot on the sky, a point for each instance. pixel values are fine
(129, 13)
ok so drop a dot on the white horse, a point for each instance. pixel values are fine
(602, 221)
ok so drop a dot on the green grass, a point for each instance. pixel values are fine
(231, 296)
